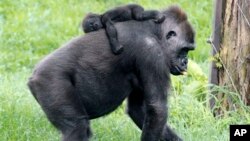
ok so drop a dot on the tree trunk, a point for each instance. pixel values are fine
(233, 50)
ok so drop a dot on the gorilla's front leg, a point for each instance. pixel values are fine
(136, 110)
(169, 135)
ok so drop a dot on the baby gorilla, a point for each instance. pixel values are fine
(93, 22)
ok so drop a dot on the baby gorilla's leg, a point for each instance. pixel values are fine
(142, 15)
(111, 32)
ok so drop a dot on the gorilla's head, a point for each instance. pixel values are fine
(178, 39)
(92, 22)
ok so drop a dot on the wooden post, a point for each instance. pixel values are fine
(215, 42)
(231, 39)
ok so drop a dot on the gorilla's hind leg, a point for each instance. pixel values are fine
(60, 103)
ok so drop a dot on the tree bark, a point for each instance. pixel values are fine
(234, 51)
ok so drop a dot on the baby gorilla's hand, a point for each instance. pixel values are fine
(160, 18)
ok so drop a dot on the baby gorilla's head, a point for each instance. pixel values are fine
(92, 22)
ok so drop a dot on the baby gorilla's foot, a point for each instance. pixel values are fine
(160, 18)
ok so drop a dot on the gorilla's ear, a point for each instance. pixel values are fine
(176, 13)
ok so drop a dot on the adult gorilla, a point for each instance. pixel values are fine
(83, 80)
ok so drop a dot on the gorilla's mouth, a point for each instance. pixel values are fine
(180, 70)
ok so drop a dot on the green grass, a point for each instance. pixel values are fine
(29, 30)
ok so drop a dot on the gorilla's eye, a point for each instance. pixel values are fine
(170, 34)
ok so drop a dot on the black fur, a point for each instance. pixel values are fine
(83, 80)
(94, 22)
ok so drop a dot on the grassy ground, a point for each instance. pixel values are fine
(31, 29)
